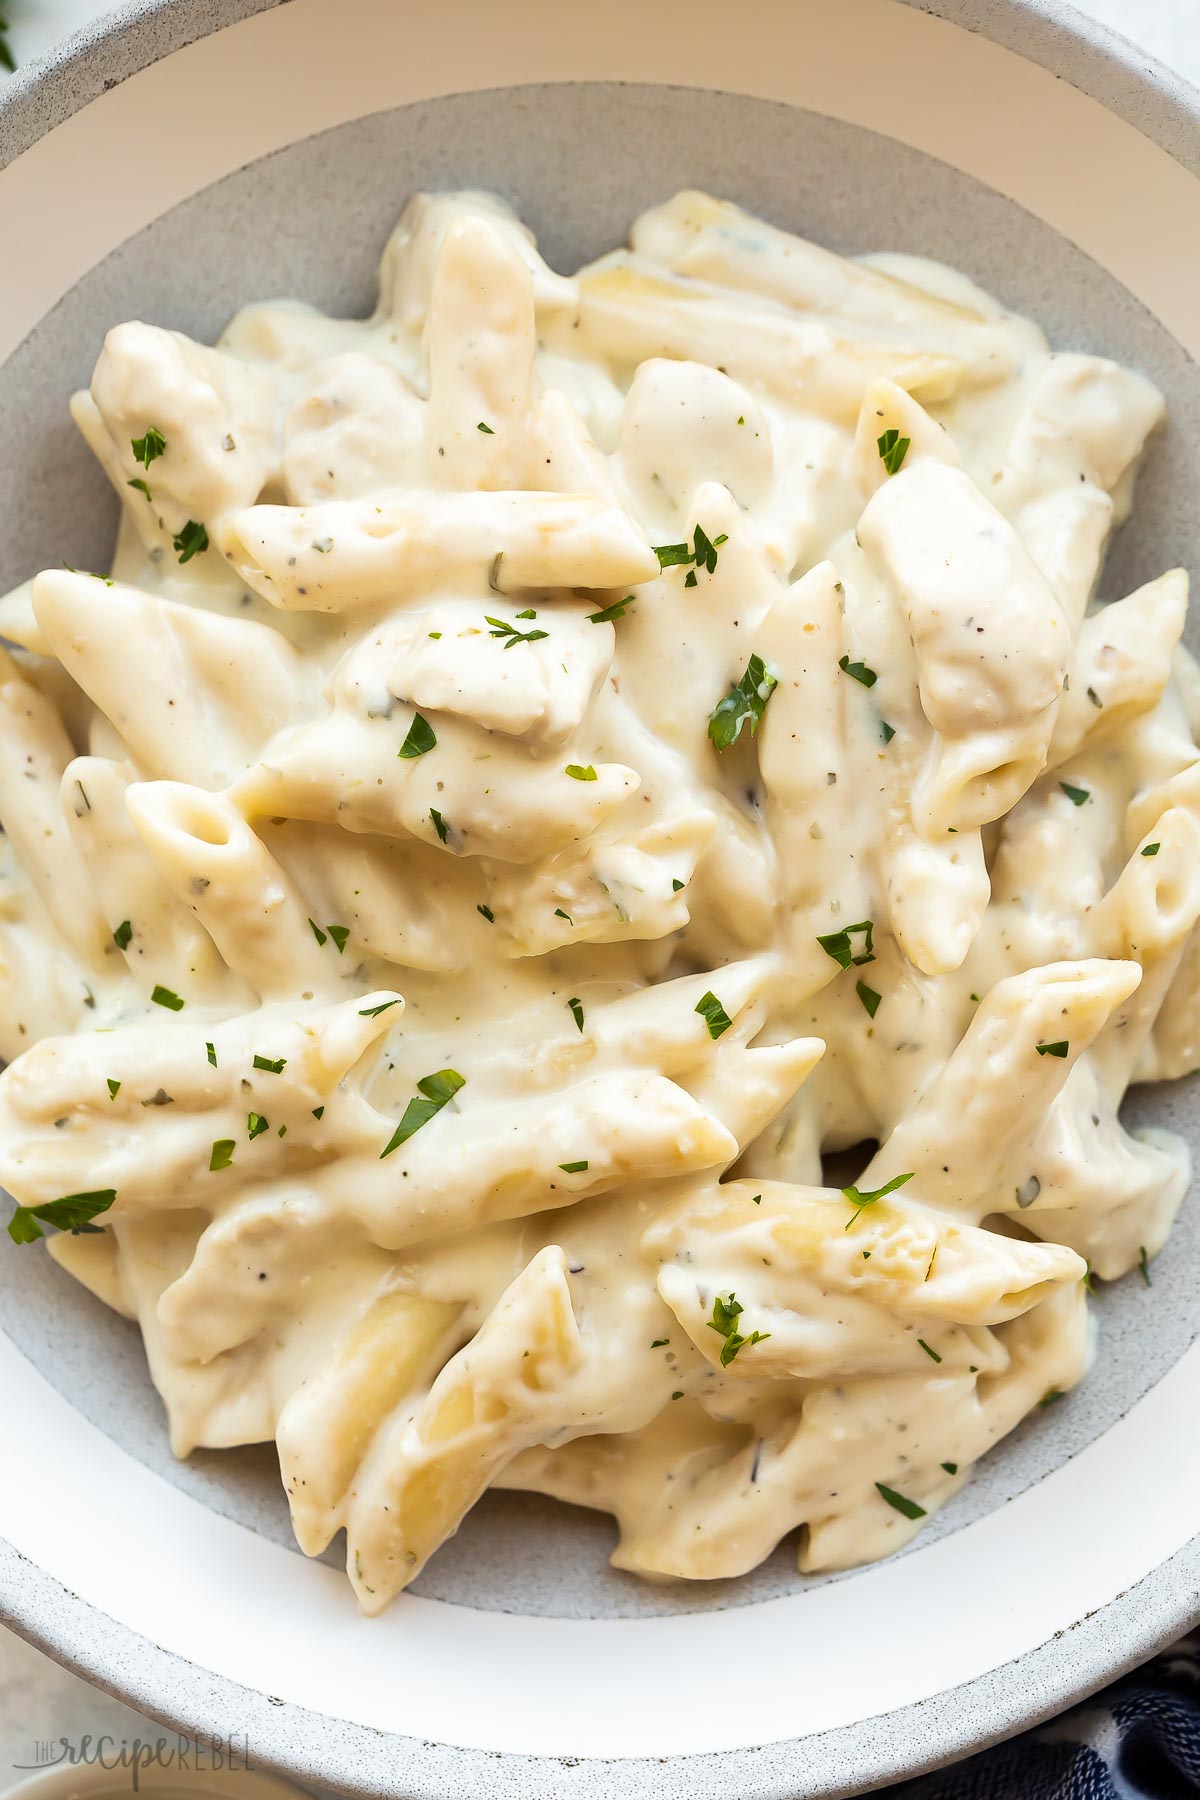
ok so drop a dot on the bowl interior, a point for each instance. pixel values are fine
(578, 160)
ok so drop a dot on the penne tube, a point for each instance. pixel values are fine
(401, 547)
(1120, 665)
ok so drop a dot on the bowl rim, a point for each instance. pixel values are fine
(310, 1746)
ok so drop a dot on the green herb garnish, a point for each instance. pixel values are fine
(74, 1213)
(487, 912)
(610, 613)
(576, 1012)
(114, 1088)
(1151, 849)
(869, 998)
(256, 1125)
(162, 996)
(421, 738)
(858, 671)
(838, 945)
(909, 1508)
(575, 1168)
(275, 1067)
(373, 1012)
(1075, 795)
(149, 448)
(858, 1199)
(486, 429)
(221, 1155)
(581, 772)
(744, 703)
(437, 1090)
(1058, 1049)
(322, 937)
(713, 1014)
(439, 824)
(502, 630)
(339, 934)
(929, 1350)
(724, 1321)
(191, 541)
(122, 935)
(892, 449)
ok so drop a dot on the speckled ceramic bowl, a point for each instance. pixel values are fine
(186, 156)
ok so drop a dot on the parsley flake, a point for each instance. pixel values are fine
(439, 824)
(869, 998)
(322, 937)
(929, 1350)
(858, 1199)
(858, 671)
(576, 1011)
(575, 1168)
(892, 449)
(487, 913)
(713, 1014)
(73, 1212)
(114, 1088)
(838, 945)
(902, 1504)
(142, 486)
(373, 1012)
(1144, 1266)
(500, 629)
(191, 541)
(211, 1052)
(581, 772)
(421, 738)
(122, 935)
(745, 703)
(724, 1321)
(616, 611)
(437, 1090)
(256, 1125)
(1151, 849)
(339, 934)
(221, 1155)
(950, 1468)
(1075, 795)
(162, 996)
(1058, 1049)
(149, 448)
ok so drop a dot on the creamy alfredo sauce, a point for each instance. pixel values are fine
(552, 760)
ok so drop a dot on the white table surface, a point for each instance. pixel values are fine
(38, 1700)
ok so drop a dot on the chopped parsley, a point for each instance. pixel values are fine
(659, 1342)
(575, 1168)
(318, 1112)
(887, 732)
(275, 1067)
(1049, 1397)
(858, 1199)
(439, 824)
(74, 1213)
(1075, 795)
(191, 541)
(745, 702)
(858, 671)
(702, 552)
(421, 738)
(437, 1091)
(164, 997)
(724, 1321)
(610, 613)
(1151, 849)
(902, 1504)
(892, 449)
(581, 772)
(560, 914)
(869, 998)
(322, 937)
(1058, 1049)
(339, 934)
(211, 1051)
(576, 1011)
(114, 1088)
(373, 1012)
(256, 1125)
(149, 448)
(486, 429)
(122, 935)
(713, 1014)
(142, 486)
(1144, 1266)
(500, 629)
(487, 913)
(677, 886)
(221, 1155)
(929, 1350)
(838, 945)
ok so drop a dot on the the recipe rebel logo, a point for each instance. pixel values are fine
(137, 1755)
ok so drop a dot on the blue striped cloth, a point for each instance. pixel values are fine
(1138, 1740)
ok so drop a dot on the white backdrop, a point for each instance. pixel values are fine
(38, 1700)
